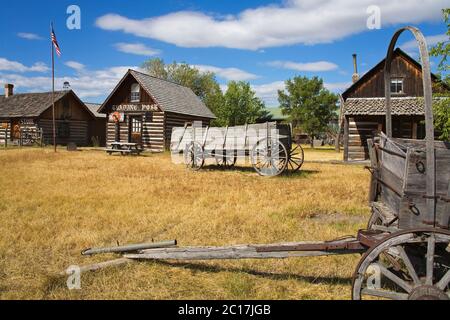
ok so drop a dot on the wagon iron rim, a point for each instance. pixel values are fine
(194, 157)
(413, 264)
(269, 158)
(296, 158)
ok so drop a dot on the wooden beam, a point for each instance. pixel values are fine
(346, 138)
(246, 251)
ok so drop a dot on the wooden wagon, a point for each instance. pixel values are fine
(406, 246)
(269, 146)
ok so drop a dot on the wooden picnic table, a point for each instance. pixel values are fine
(125, 148)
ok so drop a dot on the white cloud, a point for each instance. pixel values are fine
(318, 66)
(91, 84)
(269, 92)
(411, 46)
(228, 73)
(29, 36)
(75, 65)
(293, 22)
(337, 87)
(137, 49)
(14, 66)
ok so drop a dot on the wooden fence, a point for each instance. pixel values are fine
(24, 137)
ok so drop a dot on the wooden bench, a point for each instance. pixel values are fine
(124, 148)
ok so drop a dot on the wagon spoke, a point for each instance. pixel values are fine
(443, 283)
(292, 160)
(430, 259)
(388, 274)
(408, 264)
(384, 294)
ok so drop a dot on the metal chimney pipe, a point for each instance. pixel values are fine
(9, 90)
(355, 76)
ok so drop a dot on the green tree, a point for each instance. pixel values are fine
(204, 84)
(241, 106)
(441, 107)
(308, 104)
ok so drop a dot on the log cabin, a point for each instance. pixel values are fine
(364, 104)
(99, 129)
(143, 109)
(75, 123)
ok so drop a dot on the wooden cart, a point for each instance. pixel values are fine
(269, 147)
(406, 246)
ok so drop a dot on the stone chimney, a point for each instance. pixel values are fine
(9, 90)
(355, 76)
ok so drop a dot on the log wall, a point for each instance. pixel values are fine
(173, 120)
(79, 132)
(361, 128)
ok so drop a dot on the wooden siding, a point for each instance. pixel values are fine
(403, 67)
(152, 131)
(79, 132)
(361, 128)
(123, 94)
(5, 132)
(173, 120)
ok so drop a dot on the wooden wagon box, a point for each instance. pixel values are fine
(401, 166)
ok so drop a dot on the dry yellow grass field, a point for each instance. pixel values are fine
(54, 205)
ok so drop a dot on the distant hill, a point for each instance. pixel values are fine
(276, 113)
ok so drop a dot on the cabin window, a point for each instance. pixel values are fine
(136, 125)
(135, 93)
(397, 86)
(64, 130)
(66, 109)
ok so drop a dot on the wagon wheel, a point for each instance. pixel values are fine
(407, 265)
(226, 160)
(194, 157)
(269, 157)
(296, 158)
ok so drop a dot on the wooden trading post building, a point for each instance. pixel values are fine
(364, 104)
(143, 109)
(32, 112)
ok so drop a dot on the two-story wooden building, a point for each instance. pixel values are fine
(364, 104)
(143, 109)
(75, 123)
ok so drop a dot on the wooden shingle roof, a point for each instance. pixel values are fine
(93, 108)
(169, 96)
(173, 97)
(27, 104)
(377, 106)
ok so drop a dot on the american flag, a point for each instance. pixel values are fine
(55, 43)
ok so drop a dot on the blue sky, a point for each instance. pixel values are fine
(263, 42)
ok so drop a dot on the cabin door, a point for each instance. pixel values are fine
(136, 129)
(15, 130)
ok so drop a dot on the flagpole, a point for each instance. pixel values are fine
(53, 93)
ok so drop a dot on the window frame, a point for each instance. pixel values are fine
(136, 124)
(397, 83)
(135, 93)
(63, 130)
